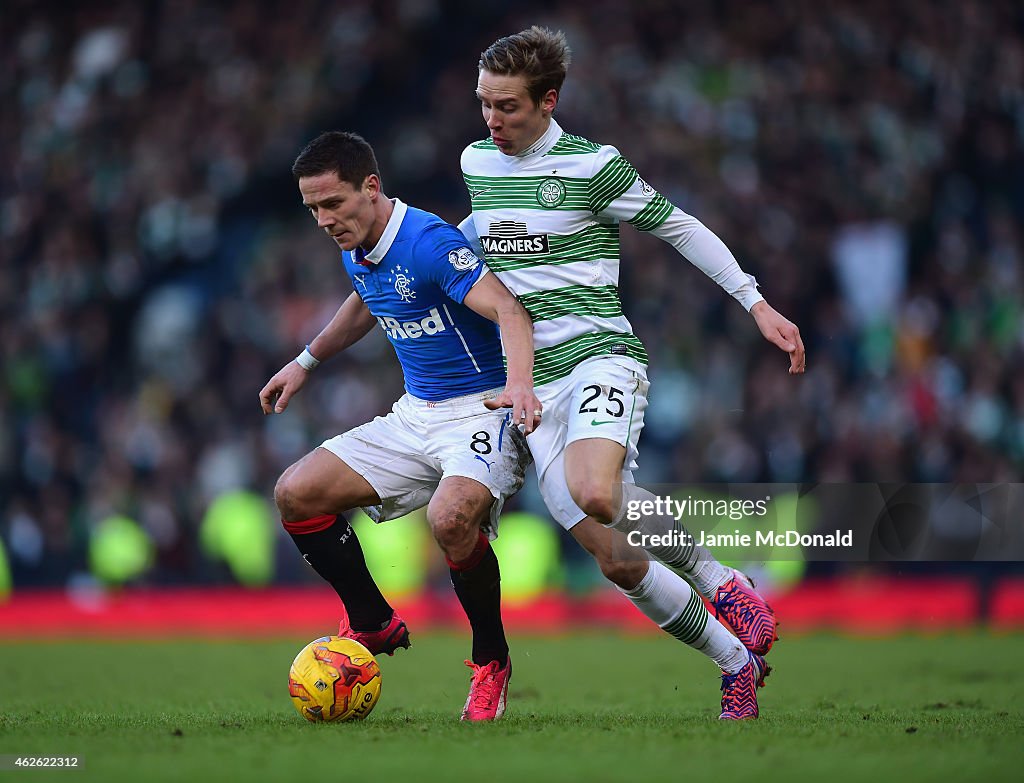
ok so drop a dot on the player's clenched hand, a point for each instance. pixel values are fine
(781, 332)
(526, 408)
(288, 380)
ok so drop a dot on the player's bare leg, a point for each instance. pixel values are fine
(313, 496)
(592, 472)
(665, 597)
(321, 483)
(602, 543)
(456, 512)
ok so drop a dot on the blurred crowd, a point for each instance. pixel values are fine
(864, 160)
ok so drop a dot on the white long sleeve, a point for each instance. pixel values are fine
(702, 248)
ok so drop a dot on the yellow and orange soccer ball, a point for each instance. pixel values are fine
(334, 679)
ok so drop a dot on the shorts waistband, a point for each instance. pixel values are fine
(454, 403)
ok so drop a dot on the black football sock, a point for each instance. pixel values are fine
(477, 583)
(329, 544)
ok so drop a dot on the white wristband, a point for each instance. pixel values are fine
(307, 361)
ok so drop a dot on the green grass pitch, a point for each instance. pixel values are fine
(587, 707)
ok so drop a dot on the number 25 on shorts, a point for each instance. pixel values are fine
(611, 404)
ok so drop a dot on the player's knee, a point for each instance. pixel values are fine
(625, 574)
(290, 496)
(454, 529)
(593, 498)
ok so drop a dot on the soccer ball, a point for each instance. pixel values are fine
(334, 679)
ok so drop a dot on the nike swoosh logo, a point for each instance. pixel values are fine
(475, 193)
(595, 422)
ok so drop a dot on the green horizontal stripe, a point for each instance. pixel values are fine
(557, 361)
(653, 215)
(573, 145)
(521, 193)
(507, 264)
(595, 233)
(527, 203)
(611, 182)
(600, 301)
(531, 183)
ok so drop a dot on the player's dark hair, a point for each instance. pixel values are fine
(539, 54)
(348, 155)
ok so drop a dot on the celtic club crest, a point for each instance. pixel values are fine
(551, 193)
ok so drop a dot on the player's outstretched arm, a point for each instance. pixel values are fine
(782, 332)
(649, 211)
(632, 200)
(350, 324)
(702, 247)
(493, 301)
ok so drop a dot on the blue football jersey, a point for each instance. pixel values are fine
(414, 282)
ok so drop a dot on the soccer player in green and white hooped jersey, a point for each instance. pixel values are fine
(546, 212)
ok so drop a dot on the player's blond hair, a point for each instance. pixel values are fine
(539, 54)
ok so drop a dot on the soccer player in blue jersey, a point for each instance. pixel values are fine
(417, 278)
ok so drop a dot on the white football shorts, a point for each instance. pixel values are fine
(405, 454)
(603, 397)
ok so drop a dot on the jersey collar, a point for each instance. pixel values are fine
(544, 143)
(383, 245)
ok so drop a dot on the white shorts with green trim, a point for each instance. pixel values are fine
(604, 397)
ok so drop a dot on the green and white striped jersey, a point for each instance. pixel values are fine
(547, 223)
